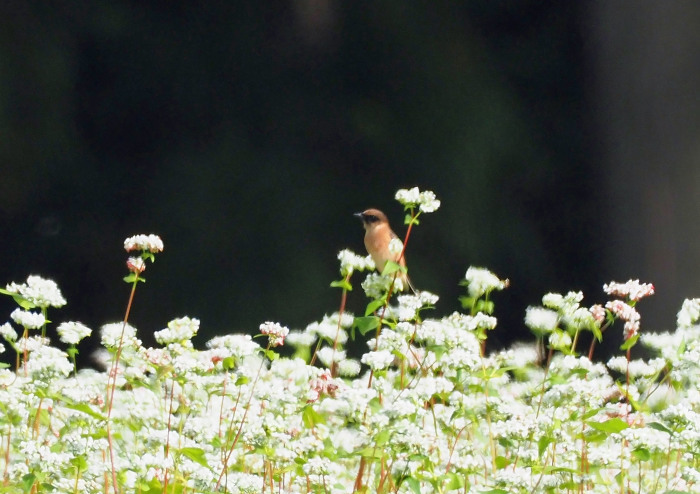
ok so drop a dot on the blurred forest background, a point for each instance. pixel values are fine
(563, 139)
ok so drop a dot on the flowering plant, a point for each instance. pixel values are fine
(425, 409)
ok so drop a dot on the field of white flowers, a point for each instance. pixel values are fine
(423, 410)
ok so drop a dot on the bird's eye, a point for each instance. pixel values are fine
(371, 218)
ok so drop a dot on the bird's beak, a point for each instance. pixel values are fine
(359, 215)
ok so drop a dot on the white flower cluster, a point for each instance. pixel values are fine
(426, 201)
(27, 319)
(41, 292)
(146, 243)
(689, 313)
(633, 290)
(275, 332)
(178, 331)
(482, 281)
(351, 262)
(72, 332)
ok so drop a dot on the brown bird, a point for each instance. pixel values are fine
(378, 235)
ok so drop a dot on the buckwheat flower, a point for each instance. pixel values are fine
(348, 368)
(637, 367)
(559, 339)
(622, 310)
(72, 332)
(178, 330)
(482, 281)
(408, 197)
(376, 285)
(41, 292)
(482, 321)
(632, 290)
(541, 319)
(111, 335)
(689, 313)
(48, 362)
(32, 343)
(136, 265)
(351, 262)
(148, 243)
(428, 202)
(239, 345)
(378, 360)
(8, 332)
(598, 313)
(27, 319)
(275, 332)
(328, 356)
(300, 338)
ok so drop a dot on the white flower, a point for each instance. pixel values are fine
(112, 335)
(350, 262)
(633, 289)
(29, 320)
(482, 281)
(178, 330)
(408, 196)
(378, 360)
(428, 202)
(275, 332)
(239, 345)
(48, 362)
(559, 339)
(689, 313)
(395, 246)
(136, 264)
(72, 332)
(327, 355)
(541, 319)
(8, 332)
(149, 243)
(31, 344)
(348, 368)
(39, 291)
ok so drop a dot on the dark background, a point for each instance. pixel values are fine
(561, 137)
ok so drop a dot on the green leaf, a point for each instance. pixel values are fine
(542, 445)
(242, 380)
(659, 427)
(455, 481)
(374, 305)
(611, 426)
(494, 491)
(630, 342)
(131, 278)
(642, 454)
(392, 267)
(413, 484)
(366, 324)
(84, 408)
(344, 284)
(311, 417)
(197, 455)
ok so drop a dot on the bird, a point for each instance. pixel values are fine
(378, 235)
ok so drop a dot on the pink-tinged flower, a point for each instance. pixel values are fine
(632, 290)
(598, 312)
(275, 331)
(622, 310)
(148, 243)
(631, 329)
(136, 265)
(322, 385)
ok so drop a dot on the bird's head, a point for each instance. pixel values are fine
(371, 218)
